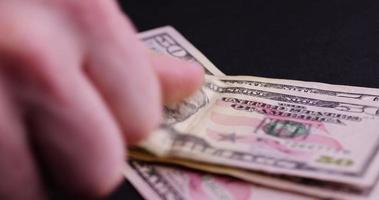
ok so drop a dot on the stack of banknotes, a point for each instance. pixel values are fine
(252, 138)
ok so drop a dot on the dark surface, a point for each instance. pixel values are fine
(326, 41)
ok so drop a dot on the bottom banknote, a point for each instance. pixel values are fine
(309, 187)
(156, 182)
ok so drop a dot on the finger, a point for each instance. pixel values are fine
(121, 70)
(178, 78)
(75, 134)
(79, 140)
(19, 174)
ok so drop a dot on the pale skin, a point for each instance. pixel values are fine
(76, 88)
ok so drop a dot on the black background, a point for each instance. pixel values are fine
(326, 41)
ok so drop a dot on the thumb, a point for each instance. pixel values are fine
(178, 78)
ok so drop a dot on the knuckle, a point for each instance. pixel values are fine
(33, 77)
(91, 12)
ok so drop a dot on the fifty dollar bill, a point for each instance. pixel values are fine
(348, 104)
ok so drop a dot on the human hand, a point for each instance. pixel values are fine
(77, 87)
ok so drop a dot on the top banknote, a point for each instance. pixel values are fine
(308, 130)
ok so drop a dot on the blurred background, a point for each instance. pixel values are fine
(326, 40)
